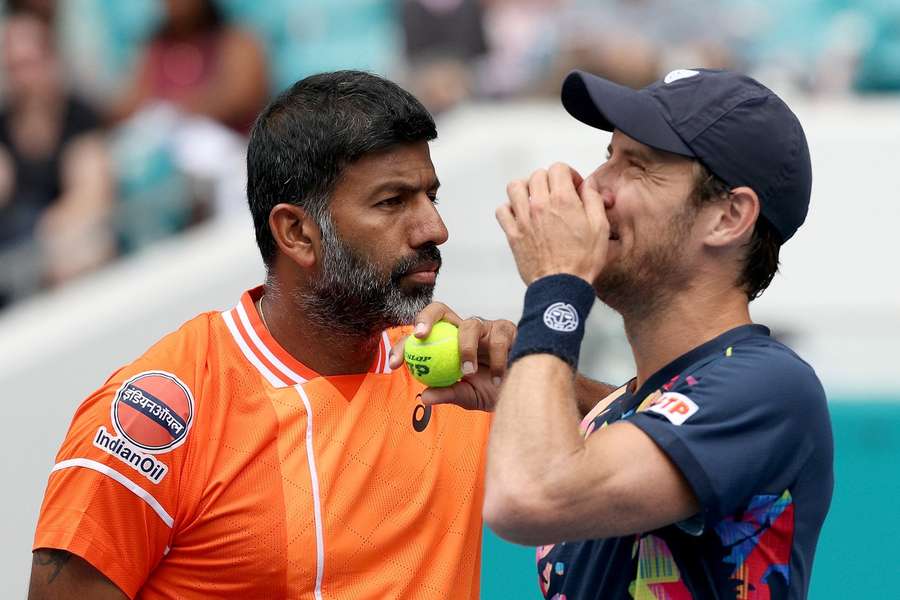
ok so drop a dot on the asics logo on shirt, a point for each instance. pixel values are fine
(421, 417)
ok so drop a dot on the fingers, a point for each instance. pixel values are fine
(475, 393)
(502, 336)
(507, 220)
(471, 332)
(595, 205)
(517, 192)
(564, 181)
(431, 314)
(485, 342)
(539, 186)
(460, 394)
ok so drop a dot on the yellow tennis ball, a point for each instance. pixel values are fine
(435, 360)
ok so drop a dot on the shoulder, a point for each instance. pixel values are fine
(760, 370)
(137, 425)
(189, 341)
(169, 374)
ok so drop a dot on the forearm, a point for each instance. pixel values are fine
(534, 434)
(546, 483)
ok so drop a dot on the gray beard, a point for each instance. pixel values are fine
(352, 298)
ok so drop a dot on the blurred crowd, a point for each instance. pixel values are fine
(123, 123)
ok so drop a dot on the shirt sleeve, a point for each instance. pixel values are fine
(112, 494)
(736, 428)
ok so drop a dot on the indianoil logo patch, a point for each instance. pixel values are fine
(153, 411)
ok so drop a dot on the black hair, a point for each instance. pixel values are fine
(45, 12)
(305, 137)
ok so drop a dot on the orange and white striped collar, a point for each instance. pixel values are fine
(273, 362)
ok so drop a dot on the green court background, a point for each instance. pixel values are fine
(856, 557)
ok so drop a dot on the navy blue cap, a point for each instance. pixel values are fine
(738, 128)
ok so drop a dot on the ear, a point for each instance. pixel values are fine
(296, 233)
(734, 218)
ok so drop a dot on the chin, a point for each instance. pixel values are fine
(404, 306)
(416, 290)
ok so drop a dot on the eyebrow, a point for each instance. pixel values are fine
(403, 186)
(635, 153)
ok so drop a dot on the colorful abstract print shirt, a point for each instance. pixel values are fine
(746, 422)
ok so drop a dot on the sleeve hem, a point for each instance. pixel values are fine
(687, 464)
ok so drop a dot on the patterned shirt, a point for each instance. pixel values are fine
(745, 420)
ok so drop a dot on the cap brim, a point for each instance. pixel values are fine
(606, 105)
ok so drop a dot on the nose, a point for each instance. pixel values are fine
(427, 225)
(604, 180)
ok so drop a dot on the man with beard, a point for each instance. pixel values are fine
(709, 474)
(269, 451)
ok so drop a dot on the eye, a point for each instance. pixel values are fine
(637, 165)
(434, 199)
(389, 202)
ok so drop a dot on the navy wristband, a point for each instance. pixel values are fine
(553, 318)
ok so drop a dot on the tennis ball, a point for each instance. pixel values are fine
(435, 360)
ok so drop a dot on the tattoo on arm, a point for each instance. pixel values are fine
(55, 559)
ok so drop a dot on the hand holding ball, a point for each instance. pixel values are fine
(435, 360)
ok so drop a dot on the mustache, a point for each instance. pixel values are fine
(426, 254)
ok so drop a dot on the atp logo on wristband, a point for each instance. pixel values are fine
(561, 317)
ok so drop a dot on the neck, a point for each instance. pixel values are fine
(315, 346)
(686, 320)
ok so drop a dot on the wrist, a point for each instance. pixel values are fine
(553, 318)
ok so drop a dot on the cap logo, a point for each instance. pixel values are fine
(679, 74)
(153, 410)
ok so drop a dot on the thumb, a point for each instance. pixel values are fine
(396, 356)
(462, 394)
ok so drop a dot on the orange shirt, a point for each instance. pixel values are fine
(216, 465)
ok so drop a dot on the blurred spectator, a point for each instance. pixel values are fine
(179, 153)
(312, 36)
(523, 36)
(202, 65)
(443, 40)
(633, 42)
(56, 191)
(44, 10)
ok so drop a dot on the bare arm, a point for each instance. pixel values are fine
(57, 574)
(545, 482)
(76, 232)
(87, 178)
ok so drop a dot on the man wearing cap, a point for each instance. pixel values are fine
(709, 474)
